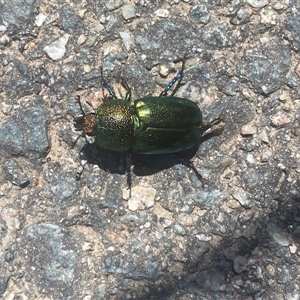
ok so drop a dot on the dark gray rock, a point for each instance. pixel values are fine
(62, 181)
(69, 21)
(215, 36)
(15, 174)
(49, 251)
(196, 250)
(211, 279)
(3, 284)
(113, 23)
(121, 264)
(17, 12)
(206, 198)
(112, 5)
(25, 134)
(265, 67)
(20, 82)
(200, 13)
(145, 86)
(162, 40)
(292, 28)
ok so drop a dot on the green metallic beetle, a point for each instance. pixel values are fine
(151, 125)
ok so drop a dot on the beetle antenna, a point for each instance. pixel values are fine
(77, 98)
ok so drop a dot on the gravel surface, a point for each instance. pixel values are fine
(235, 235)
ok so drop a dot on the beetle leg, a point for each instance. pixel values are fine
(92, 147)
(214, 127)
(79, 174)
(128, 169)
(128, 90)
(189, 164)
(107, 86)
(177, 79)
(75, 142)
(109, 89)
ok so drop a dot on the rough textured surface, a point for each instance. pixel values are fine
(233, 236)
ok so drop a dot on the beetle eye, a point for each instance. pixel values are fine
(78, 123)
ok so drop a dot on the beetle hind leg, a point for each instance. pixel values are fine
(189, 164)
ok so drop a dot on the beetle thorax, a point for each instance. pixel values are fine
(114, 125)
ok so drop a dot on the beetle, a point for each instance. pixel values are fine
(150, 125)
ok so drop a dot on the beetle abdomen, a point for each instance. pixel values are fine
(114, 125)
(166, 125)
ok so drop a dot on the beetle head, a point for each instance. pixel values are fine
(85, 123)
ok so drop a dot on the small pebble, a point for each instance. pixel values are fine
(39, 19)
(293, 248)
(179, 229)
(57, 49)
(258, 3)
(141, 197)
(87, 246)
(280, 119)
(126, 38)
(263, 135)
(164, 71)
(81, 39)
(4, 39)
(270, 270)
(232, 204)
(98, 28)
(250, 158)
(6, 108)
(242, 198)
(128, 11)
(87, 68)
(248, 129)
(162, 13)
(278, 235)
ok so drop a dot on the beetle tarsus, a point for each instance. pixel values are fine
(214, 127)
